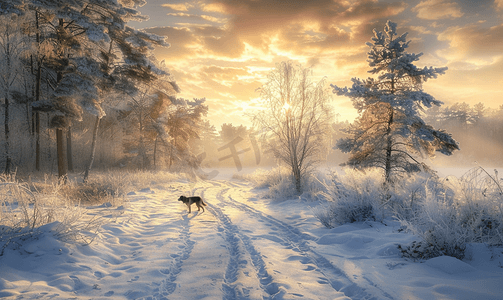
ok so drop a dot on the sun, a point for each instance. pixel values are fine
(286, 106)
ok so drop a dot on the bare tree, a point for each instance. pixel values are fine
(11, 51)
(295, 119)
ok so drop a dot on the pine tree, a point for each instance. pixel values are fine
(183, 120)
(390, 132)
(88, 51)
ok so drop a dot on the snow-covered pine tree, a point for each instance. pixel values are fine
(390, 132)
(89, 50)
(183, 120)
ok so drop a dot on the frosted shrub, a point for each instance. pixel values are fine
(19, 206)
(26, 207)
(354, 197)
(437, 224)
(279, 184)
(283, 187)
(406, 195)
(277, 180)
(262, 178)
(22, 211)
(469, 210)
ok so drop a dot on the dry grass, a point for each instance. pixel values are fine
(28, 205)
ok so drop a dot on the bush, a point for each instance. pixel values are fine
(404, 197)
(445, 214)
(279, 184)
(23, 212)
(354, 197)
(25, 207)
(466, 210)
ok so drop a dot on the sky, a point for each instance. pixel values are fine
(223, 49)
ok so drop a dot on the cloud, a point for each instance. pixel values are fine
(437, 9)
(229, 45)
(203, 40)
(200, 19)
(178, 6)
(183, 42)
(224, 73)
(471, 86)
(473, 44)
(255, 21)
(499, 4)
(302, 40)
(303, 30)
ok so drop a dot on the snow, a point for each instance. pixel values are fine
(242, 247)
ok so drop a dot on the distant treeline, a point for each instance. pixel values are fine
(478, 130)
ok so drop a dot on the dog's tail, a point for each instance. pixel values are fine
(202, 202)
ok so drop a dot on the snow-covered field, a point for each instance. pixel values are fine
(242, 247)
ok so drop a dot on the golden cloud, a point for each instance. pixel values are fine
(473, 44)
(437, 9)
(183, 42)
(178, 6)
(256, 21)
(469, 85)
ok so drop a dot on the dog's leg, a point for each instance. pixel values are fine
(188, 205)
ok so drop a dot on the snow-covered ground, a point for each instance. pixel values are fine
(242, 247)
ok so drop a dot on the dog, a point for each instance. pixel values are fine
(191, 200)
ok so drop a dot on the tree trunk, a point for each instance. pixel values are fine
(7, 153)
(37, 141)
(170, 163)
(38, 81)
(93, 148)
(298, 179)
(62, 167)
(69, 155)
(155, 153)
(389, 137)
(62, 171)
(389, 144)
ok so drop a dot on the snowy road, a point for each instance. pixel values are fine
(234, 251)
(241, 247)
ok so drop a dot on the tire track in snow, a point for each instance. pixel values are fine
(238, 245)
(291, 238)
(168, 285)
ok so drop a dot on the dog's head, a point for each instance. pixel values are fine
(182, 198)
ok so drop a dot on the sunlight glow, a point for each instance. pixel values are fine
(287, 107)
